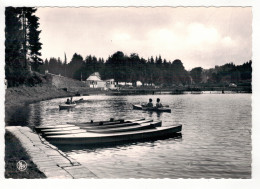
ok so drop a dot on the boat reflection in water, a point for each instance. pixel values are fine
(85, 147)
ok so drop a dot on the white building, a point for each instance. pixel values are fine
(232, 85)
(110, 84)
(139, 83)
(95, 81)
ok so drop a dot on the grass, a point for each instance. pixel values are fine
(15, 152)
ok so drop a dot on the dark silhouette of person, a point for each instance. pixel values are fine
(158, 104)
(150, 103)
(68, 101)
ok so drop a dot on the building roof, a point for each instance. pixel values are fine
(94, 77)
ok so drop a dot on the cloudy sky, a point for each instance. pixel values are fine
(198, 36)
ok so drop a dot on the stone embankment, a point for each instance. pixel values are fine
(49, 159)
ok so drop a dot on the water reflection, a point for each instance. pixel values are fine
(18, 115)
(36, 117)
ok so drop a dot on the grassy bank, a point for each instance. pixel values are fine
(14, 152)
(25, 95)
(15, 99)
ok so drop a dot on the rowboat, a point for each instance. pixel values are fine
(108, 126)
(67, 106)
(110, 122)
(62, 131)
(101, 124)
(76, 131)
(127, 128)
(140, 107)
(80, 101)
(92, 138)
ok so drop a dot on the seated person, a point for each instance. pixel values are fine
(158, 104)
(150, 104)
(68, 101)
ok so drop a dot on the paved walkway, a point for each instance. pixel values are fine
(48, 158)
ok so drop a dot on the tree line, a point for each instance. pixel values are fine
(158, 71)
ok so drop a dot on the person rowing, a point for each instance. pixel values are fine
(68, 101)
(150, 103)
(158, 103)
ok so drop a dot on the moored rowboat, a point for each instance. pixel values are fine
(97, 123)
(105, 138)
(126, 124)
(136, 127)
(76, 131)
(60, 129)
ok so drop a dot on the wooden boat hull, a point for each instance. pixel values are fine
(62, 131)
(105, 125)
(126, 124)
(97, 123)
(98, 139)
(76, 131)
(81, 101)
(139, 107)
(66, 106)
(135, 127)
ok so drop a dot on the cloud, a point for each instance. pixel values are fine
(199, 36)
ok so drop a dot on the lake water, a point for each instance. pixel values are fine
(215, 141)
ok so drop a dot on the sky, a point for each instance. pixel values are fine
(198, 36)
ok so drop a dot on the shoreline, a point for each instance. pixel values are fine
(15, 99)
(43, 160)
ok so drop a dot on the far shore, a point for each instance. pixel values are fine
(17, 97)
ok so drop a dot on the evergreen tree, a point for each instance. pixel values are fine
(22, 44)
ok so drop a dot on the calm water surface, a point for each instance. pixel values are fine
(215, 141)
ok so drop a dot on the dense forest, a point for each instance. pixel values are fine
(156, 70)
(23, 61)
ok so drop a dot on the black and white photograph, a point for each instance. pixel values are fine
(133, 92)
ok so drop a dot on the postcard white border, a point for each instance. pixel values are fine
(144, 183)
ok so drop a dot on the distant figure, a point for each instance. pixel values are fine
(158, 104)
(68, 101)
(150, 104)
(71, 100)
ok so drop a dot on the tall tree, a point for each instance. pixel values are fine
(22, 43)
(34, 44)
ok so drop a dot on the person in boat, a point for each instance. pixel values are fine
(68, 101)
(150, 103)
(158, 103)
(71, 102)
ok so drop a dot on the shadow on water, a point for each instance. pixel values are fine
(69, 148)
(158, 114)
(28, 115)
(18, 115)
